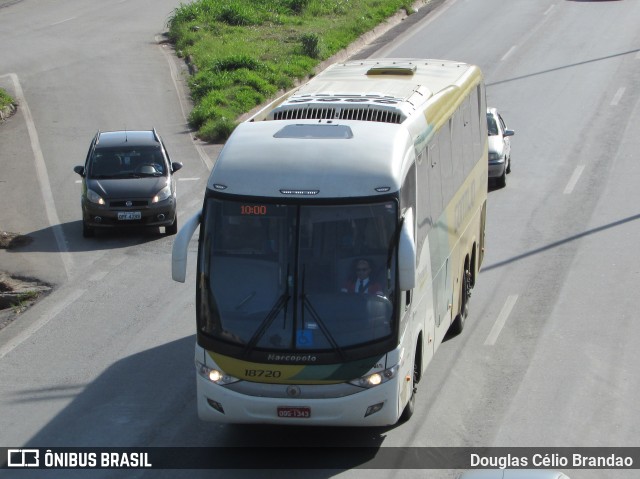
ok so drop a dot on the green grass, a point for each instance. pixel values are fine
(244, 51)
(23, 301)
(5, 99)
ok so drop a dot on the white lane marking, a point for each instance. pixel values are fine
(501, 320)
(42, 321)
(509, 52)
(62, 21)
(618, 96)
(43, 177)
(98, 276)
(574, 179)
(529, 34)
(174, 77)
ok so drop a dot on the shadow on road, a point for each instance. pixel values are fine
(44, 240)
(148, 400)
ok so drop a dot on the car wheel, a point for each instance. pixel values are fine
(87, 231)
(502, 181)
(173, 228)
(509, 166)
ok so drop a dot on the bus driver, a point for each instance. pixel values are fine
(362, 282)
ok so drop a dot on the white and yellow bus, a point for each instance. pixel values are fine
(382, 161)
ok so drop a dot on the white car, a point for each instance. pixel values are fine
(499, 147)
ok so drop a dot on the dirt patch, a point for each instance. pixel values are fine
(17, 293)
(13, 240)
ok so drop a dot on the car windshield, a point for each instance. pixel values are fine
(127, 162)
(284, 277)
(492, 125)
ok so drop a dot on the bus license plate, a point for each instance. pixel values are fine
(129, 215)
(294, 412)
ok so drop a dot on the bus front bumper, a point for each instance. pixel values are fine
(219, 404)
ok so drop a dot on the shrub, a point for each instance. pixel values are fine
(298, 6)
(235, 62)
(217, 130)
(208, 107)
(310, 45)
(236, 15)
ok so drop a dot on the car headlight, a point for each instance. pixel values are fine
(95, 197)
(162, 195)
(214, 375)
(376, 379)
(493, 156)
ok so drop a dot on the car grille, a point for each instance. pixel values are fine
(133, 203)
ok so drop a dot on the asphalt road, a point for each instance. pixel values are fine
(549, 354)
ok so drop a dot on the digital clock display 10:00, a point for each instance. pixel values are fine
(253, 210)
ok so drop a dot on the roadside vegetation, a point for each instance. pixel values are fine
(242, 52)
(16, 294)
(5, 99)
(6, 102)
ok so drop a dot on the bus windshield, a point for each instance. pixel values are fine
(278, 277)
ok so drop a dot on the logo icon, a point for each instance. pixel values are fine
(293, 391)
(23, 457)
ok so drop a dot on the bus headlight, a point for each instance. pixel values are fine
(216, 376)
(375, 379)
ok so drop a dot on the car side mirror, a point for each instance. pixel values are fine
(79, 170)
(508, 132)
(176, 166)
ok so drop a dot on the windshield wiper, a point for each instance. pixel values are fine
(280, 304)
(306, 305)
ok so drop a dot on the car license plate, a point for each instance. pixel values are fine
(294, 411)
(129, 215)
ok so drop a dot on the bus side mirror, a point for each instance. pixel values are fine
(407, 254)
(181, 248)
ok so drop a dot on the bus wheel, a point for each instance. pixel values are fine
(458, 324)
(411, 405)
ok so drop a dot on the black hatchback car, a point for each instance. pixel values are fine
(128, 181)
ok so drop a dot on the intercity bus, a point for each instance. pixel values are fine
(382, 161)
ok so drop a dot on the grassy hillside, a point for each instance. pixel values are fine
(242, 52)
